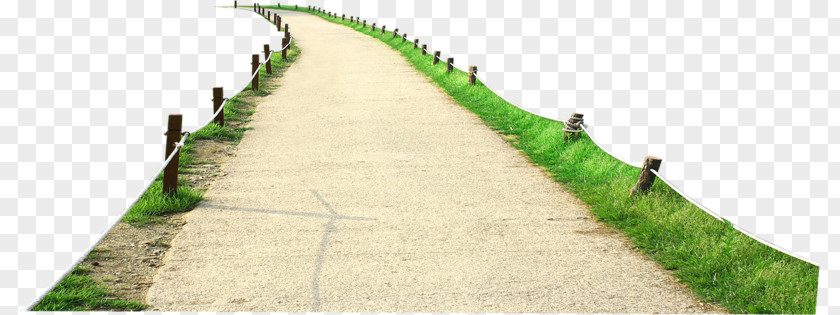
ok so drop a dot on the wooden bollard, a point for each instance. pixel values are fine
(423, 48)
(342, 17)
(286, 27)
(173, 137)
(255, 7)
(383, 29)
(295, 6)
(471, 78)
(364, 23)
(285, 43)
(415, 43)
(395, 32)
(267, 62)
(449, 64)
(277, 22)
(373, 27)
(255, 66)
(234, 5)
(218, 99)
(404, 35)
(646, 177)
(436, 59)
(572, 129)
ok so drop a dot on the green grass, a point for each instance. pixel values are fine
(719, 263)
(79, 292)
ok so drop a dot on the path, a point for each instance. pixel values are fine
(363, 187)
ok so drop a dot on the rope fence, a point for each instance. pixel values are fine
(175, 139)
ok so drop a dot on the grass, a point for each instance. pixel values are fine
(79, 292)
(719, 263)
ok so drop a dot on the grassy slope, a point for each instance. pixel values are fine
(78, 292)
(719, 263)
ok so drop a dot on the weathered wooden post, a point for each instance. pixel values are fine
(267, 61)
(234, 4)
(364, 23)
(218, 99)
(383, 29)
(255, 7)
(424, 49)
(473, 70)
(173, 137)
(415, 43)
(572, 129)
(395, 32)
(404, 35)
(277, 22)
(255, 67)
(436, 59)
(646, 177)
(285, 44)
(373, 27)
(286, 27)
(449, 64)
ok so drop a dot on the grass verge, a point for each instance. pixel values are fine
(719, 263)
(80, 292)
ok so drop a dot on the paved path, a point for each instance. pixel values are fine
(363, 187)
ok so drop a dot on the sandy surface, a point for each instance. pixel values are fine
(363, 187)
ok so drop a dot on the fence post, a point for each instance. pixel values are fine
(286, 27)
(255, 66)
(383, 29)
(255, 7)
(218, 99)
(277, 22)
(267, 61)
(173, 136)
(449, 64)
(234, 4)
(285, 43)
(424, 49)
(436, 59)
(395, 32)
(373, 27)
(342, 17)
(473, 70)
(646, 177)
(295, 6)
(415, 43)
(572, 126)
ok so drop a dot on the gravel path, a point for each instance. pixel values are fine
(364, 187)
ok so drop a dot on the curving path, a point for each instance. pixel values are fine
(364, 187)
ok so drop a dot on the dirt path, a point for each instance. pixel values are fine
(363, 187)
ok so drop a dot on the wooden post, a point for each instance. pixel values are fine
(572, 129)
(383, 29)
(472, 70)
(364, 23)
(255, 66)
(218, 99)
(173, 136)
(234, 4)
(436, 59)
(342, 17)
(285, 43)
(267, 62)
(295, 6)
(646, 177)
(255, 7)
(415, 43)
(423, 48)
(449, 64)
(395, 32)
(286, 27)
(404, 35)
(373, 27)
(277, 22)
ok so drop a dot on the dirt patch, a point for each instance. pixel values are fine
(128, 257)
